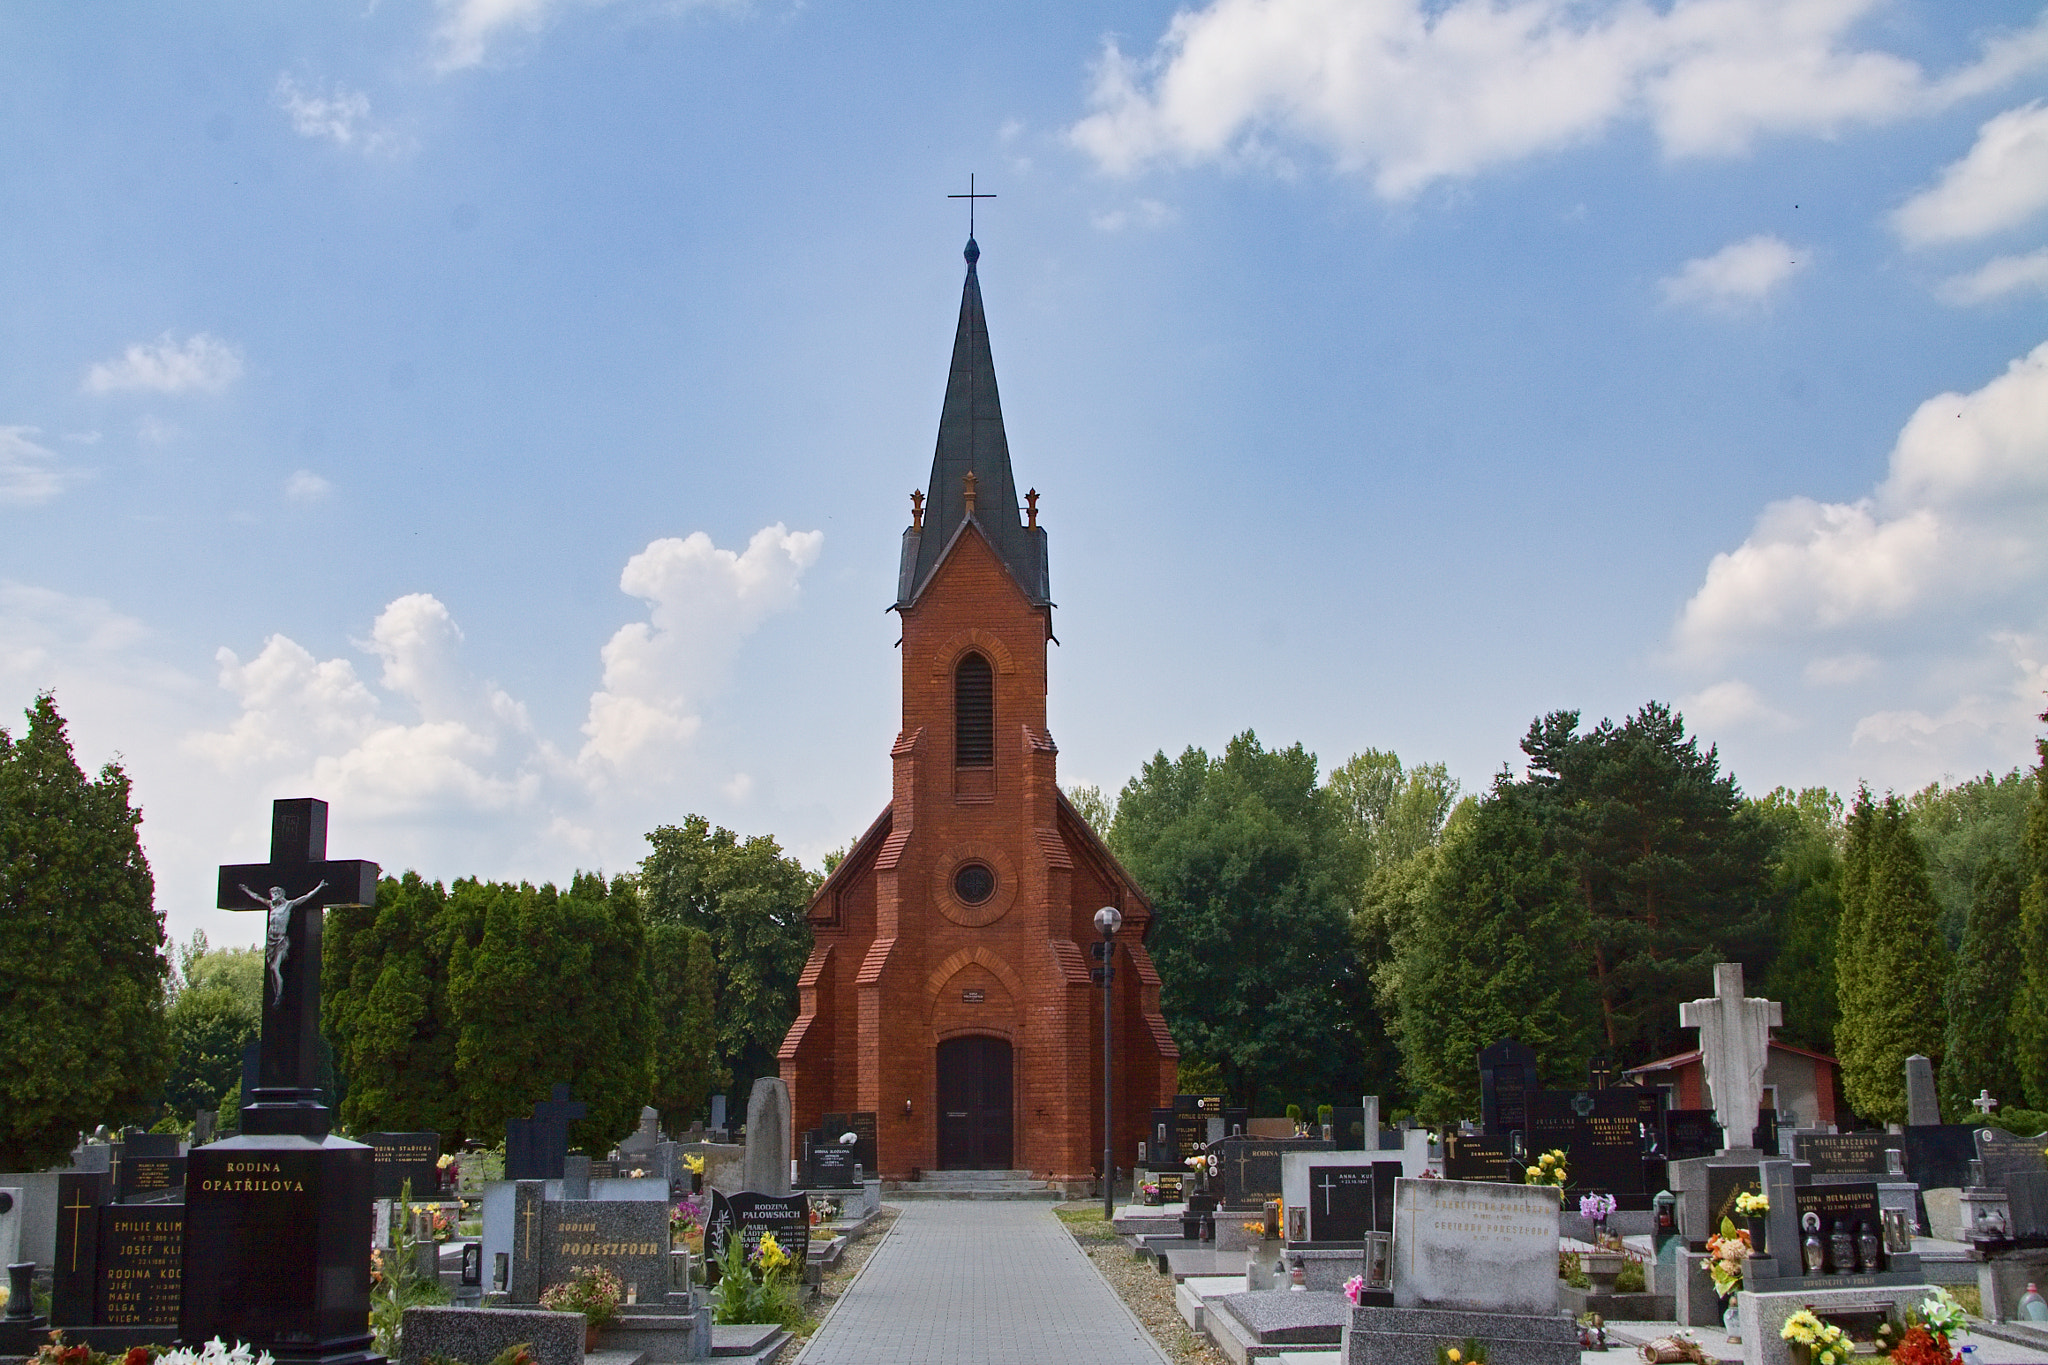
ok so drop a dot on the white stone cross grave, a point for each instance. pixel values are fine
(1984, 1104)
(1735, 1042)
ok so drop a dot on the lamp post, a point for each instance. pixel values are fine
(1107, 920)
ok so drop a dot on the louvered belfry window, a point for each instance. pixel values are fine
(974, 713)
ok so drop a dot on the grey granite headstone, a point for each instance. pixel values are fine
(575, 1176)
(2005, 1156)
(12, 1207)
(646, 1137)
(767, 1168)
(1923, 1106)
(1470, 1245)
(527, 1241)
(95, 1157)
(1412, 1336)
(627, 1237)
(475, 1336)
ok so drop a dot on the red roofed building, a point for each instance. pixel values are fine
(1799, 1084)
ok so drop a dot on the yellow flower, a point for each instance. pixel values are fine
(1535, 1173)
(1547, 1159)
(1453, 1355)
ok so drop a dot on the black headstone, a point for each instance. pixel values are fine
(150, 1179)
(831, 1167)
(748, 1215)
(1843, 1153)
(1853, 1206)
(1690, 1134)
(1347, 1127)
(2005, 1156)
(1480, 1156)
(74, 1279)
(535, 1147)
(1601, 1133)
(1250, 1168)
(1340, 1203)
(1507, 1076)
(1938, 1155)
(140, 1261)
(398, 1157)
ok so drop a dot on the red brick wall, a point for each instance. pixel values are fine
(895, 950)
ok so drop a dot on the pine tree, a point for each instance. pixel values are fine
(1891, 962)
(679, 976)
(1496, 949)
(82, 977)
(1977, 1050)
(1806, 898)
(2030, 1012)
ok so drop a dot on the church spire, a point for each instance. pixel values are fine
(971, 479)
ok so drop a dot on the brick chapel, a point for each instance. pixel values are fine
(948, 988)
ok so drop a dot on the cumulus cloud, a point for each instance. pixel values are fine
(28, 472)
(1997, 278)
(1739, 274)
(1408, 92)
(340, 115)
(1961, 515)
(1731, 705)
(306, 486)
(2000, 183)
(1145, 213)
(201, 362)
(469, 26)
(703, 601)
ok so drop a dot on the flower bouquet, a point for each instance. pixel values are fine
(1550, 1169)
(1925, 1338)
(595, 1293)
(1595, 1208)
(1820, 1341)
(1727, 1253)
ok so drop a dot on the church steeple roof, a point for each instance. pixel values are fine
(971, 479)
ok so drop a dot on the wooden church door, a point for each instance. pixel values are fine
(974, 1104)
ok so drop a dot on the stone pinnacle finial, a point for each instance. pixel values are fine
(916, 509)
(1031, 507)
(967, 490)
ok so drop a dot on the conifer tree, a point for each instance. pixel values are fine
(1891, 962)
(82, 975)
(386, 1010)
(2030, 1013)
(1977, 1050)
(1496, 949)
(679, 978)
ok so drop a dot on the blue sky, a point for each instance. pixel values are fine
(498, 416)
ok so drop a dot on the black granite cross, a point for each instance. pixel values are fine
(535, 1147)
(293, 887)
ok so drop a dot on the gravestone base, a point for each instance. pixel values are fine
(1617, 1307)
(660, 1336)
(1695, 1304)
(1411, 1336)
(2004, 1277)
(475, 1335)
(1763, 1315)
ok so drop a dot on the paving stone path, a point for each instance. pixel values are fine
(988, 1281)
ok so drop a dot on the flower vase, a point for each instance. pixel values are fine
(1801, 1355)
(1756, 1228)
(590, 1331)
(1731, 1320)
(696, 1182)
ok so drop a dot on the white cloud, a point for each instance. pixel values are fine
(306, 486)
(2002, 182)
(1731, 705)
(468, 26)
(1997, 278)
(1144, 213)
(1840, 670)
(1408, 92)
(28, 472)
(1962, 516)
(341, 116)
(1986, 719)
(703, 602)
(1741, 273)
(201, 362)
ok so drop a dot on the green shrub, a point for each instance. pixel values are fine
(1631, 1280)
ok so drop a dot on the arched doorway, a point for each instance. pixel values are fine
(974, 1104)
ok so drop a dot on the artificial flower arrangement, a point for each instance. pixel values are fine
(686, 1224)
(1727, 1254)
(1925, 1339)
(695, 1162)
(1354, 1289)
(1202, 1165)
(595, 1293)
(1550, 1169)
(1596, 1206)
(1826, 1343)
(215, 1352)
(1751, 1204)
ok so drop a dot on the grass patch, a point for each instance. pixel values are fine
(1968, 1296)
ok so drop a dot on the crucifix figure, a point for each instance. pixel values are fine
(275, 940)
(1735, 1042)
(303, 883)
(1984, 1104)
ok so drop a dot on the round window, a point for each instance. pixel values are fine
(974, 883)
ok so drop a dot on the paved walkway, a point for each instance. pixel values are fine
(988, 1281)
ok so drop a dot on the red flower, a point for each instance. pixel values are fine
(1920, 1347)
(137, 1355)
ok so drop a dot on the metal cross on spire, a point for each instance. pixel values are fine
(970, 197)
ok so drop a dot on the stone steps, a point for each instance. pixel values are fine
(971, 1185)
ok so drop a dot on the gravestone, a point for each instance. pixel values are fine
(12, 1209)
(398, 1157)
(277, 1219)
(864, 1129)
(151, 1178)
(1601, 1133)
(523, 1278)
(535, 1147)
(1347, 1202)
(718, 1115)
(1735, 1041)
(642, 1141)
(831, 1167)
(2016, 1166)
(1250, 1168)
(747, 1216)
(1843, 1154)
(575, 1176)
(1853, 1207)
(1923, 1105)
(1347, 1127)
(628, 1237)
(1507, 1077)
(140, 1264)
(74, 1275)
(1690, 1133)
(1480, 1156)
(1938, 1156)
(1479, 1247)
(767, 1163)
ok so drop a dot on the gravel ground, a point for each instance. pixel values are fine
(1139, 1284)
(835, 1281)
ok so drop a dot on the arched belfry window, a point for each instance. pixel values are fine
(974, 713)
